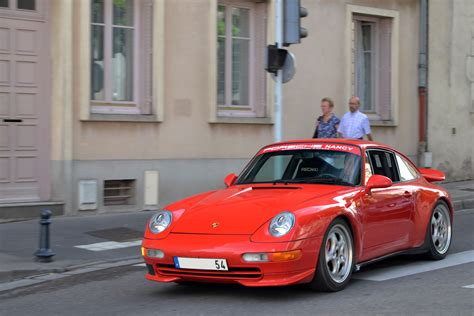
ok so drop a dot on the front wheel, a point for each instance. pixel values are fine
(336, 259)
(439, 232)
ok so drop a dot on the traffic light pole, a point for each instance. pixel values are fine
(278, 127)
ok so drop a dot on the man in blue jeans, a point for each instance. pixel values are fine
(354, 124)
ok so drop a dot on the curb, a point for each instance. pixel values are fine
(463, 204)
(69, 271)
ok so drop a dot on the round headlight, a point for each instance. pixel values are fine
(160, 221)
(281, 224)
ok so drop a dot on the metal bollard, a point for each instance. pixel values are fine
(44, 253)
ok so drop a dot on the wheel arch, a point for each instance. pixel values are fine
(353, 227)
(449, 204)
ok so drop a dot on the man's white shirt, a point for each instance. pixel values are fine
(354, 125)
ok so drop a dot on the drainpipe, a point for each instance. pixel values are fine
(424, 158)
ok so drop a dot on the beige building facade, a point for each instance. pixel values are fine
(451, 87)
(135, 104)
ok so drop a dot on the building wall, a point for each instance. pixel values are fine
(451, 87)
(191, 153)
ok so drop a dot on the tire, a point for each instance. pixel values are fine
(439, 232)
(330, 275)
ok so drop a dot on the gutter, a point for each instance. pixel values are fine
(424, 157)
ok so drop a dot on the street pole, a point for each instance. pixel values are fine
(277, 131)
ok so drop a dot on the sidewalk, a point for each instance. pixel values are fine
(105, 238)
(462, 193)
(19, 240)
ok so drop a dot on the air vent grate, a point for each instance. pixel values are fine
(119, 192)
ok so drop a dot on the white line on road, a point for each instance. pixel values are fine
(140, 265)
(469, 286)
(109, 245)
(415, 268)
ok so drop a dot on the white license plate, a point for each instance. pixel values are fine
(200, 264)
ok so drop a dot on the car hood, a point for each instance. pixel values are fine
(243, 209)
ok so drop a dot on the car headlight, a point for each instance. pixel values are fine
(160, 221)
(281, 224)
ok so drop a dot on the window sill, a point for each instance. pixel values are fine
(242, 120)
(94, 117)
(388, 123)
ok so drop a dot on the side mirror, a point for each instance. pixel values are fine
(230, 179)
(377, 181)
(432, 175)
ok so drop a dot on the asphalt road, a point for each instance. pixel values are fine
(124, 291)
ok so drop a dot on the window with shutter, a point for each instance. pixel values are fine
(371, 61)
(121, 56)
(241, 32)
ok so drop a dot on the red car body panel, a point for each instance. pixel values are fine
(386, 221)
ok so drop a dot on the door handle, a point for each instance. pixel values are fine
(407, 194)
(12, 120)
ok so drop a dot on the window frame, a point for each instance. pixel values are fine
(12, 11)
(264, 85)
(368, 152)
(391, 118)
(228, 109)
(108, 106)
(375, 62)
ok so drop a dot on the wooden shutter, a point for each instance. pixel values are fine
(145, 52)
(259, 55)
(385, 56)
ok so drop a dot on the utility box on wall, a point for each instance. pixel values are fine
(151, 189)
(87, 195)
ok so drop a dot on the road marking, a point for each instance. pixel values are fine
(469, 286)
(140, 265)
(417, 267)
(109, 245)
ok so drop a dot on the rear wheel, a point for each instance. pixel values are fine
(439, 232)
(336, 259)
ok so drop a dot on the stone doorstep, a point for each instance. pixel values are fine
(28, 210)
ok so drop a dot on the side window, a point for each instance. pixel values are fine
(368, 168)
(407, 172)
(383, 163)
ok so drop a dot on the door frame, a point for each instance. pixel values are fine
(41, 14)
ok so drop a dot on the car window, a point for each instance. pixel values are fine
(407, 172)
(304, 166)
(383, 163)
(368, 168)
(273, 168)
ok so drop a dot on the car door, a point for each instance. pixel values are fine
(386, 214)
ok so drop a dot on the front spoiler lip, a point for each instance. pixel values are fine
(274, 279)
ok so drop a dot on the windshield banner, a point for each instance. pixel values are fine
(302, 146)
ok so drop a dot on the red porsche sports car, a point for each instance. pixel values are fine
(305, 211)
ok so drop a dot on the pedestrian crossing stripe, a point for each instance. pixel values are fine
(109, 245)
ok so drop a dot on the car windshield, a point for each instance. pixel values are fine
(304, 166)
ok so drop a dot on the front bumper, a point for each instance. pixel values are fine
(231, 248)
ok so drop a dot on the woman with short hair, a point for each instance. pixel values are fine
(327, 124)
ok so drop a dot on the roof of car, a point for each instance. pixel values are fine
(355, 142)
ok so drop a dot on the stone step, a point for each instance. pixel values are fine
(28, 210)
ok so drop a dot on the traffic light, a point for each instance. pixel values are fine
(275, 58)
(292, 30)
